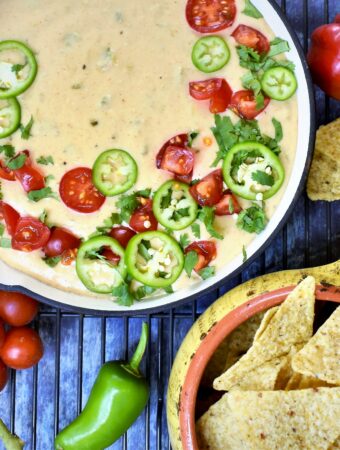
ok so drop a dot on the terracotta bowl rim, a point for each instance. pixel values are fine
(214, 338)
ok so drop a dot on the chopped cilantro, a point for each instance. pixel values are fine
(5, 242)
(278, 130)
(128, 203)
(196, 229)
(26, 130)
(207, 216)
(231, 205)
(45, 160)
(143, 291)
(207, 272)
(52, 261)
(8, 150)
(169, 289)
(244, 253)
(251, 11)
(263, 178)
(192, 136)
(38, 195)
(278, 46)
(252, 219)
(124, 295)
(190, 261)
(49, 178)
(184, 240)
(114, 219)
(17, 162)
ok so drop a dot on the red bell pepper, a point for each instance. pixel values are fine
(324, 58)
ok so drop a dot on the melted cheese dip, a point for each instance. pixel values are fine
(115, 74)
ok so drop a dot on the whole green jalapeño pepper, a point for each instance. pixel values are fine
(118, 397)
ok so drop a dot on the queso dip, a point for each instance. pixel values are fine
(115, 74)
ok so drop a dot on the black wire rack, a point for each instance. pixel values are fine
(38, 403)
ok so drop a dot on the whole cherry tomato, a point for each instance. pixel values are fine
(17, 309)
(324, 58)
(22, 348)
(3, 375)
(60, 240)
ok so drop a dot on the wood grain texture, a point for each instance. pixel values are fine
(38, 402)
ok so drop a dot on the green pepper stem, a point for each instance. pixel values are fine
(10, 441)
(140, 350)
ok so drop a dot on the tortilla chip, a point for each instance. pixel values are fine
(291, 325)
(276, 420)
(335, 445)
(299, 381)
(324, 176)
(231, 349)
(265, 322)
(320, 357)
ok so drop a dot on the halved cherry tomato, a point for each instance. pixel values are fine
(180, 140)
(110, 256)
(228, 201)
(185, 178)
(30, 177)
(252, 38)
(178, 160)
(143, 218)
(220, 100)
(22, 349)
(122, 235)
(17, 309)
(5, 173)
(60, 240)
(203, 90)
(209, 16)
(206, 251)
(78, 192)
(30, 234)
(208, 191)
(69, 256)
(10, 216)
(217, 90)
(2, 333)
(3, 375)
(243, 104)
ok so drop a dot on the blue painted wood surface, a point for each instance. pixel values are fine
(38, 402)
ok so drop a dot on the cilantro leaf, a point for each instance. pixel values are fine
(196, 229)
(263, 178)
(168, 290)
(38, 195)
(244, 253)
(26, 130)
(17, 162)
(184, 240)
(190, 261)
(45, 160)
(8, 150)
(252, 219)
(124, 295)
(52, 261)
(128, 203)
(207, 216)
(192, 136)
(278, 46)
(278, 130)
(207, 272)
(5, 242)
(114, 219)
(225, 136)
(143, 291)
(251, 11)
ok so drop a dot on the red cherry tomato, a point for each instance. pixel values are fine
(180, 140)
(78, 192)
(203, 90)
(122, 235)
(30, 177)
(110, 256)
(223, 206)
(206, 251)
(5, 173)
(178, 160)
(220, 100)
(252, 38)
(69, 256)
(243, 104)
(22, 349)
(17, 309)
(60, 240)
(185, 178)
(10, 216)
(3, 375)
(208, 191)
(30, 234)
(2, 333)
(324, 57)
(209, 16)
(143, 218)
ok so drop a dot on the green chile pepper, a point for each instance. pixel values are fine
(118, 397)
